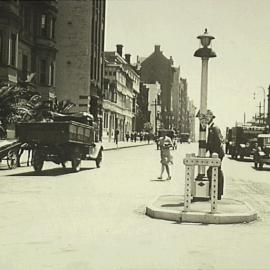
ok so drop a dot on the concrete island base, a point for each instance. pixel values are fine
(170, 207)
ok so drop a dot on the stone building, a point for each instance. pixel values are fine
(158, 68)
(143, 112)
(154, 105)
(191, 117)
(121, 88)
(80, 30)
(176, 99)
(27, 43)
(184, 116)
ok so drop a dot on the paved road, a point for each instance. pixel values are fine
(95, 219)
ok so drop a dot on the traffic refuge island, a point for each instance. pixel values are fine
(183, 208)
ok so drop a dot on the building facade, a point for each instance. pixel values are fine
(158, 68)
(80, 29)
(191, 117)
(176, 99)
(27, 43)
(143, 112)
(184, 116)
(121, 88)
(154, 105)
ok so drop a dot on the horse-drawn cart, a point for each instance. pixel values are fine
(59, 142)
(9, 152)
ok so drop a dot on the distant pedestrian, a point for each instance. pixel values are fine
(132, 136)
(148, 137)
(135, 136)
(116, 136)
(165, 143)
(127, 136)
(214, 145)
(141, 136)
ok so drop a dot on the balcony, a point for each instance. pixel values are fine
(45, 42)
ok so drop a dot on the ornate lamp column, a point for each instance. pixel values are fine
(204, 53)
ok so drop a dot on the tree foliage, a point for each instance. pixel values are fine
(23, 103)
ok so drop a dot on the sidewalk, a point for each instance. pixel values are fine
(112, 145)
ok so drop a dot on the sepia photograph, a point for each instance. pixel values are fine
(134, 135)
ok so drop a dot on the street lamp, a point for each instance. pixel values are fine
(263, 103)
(204, 53)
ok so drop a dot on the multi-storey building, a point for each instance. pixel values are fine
(27, 43)
(121, 88)
(80, 30)
(184, 116)
(191, 117)
(176, 99)
(143, 112)
(157, 67)
(154, 105)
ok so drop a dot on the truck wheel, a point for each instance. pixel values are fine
(76, 164)
(12, 159)
(37, 161)
(99, 159)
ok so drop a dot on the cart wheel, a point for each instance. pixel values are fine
(99, 159)
(12, 159)
(37, 161)
(76, 164)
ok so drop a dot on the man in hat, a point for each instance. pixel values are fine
(214, 145)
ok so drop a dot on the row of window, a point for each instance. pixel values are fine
(46, 23)
(12, 49)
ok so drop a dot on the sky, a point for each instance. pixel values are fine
(242, 44)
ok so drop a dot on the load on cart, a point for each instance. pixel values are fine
(65, 138)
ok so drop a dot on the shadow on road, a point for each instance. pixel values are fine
(51, 172)
(159, 180)
(261, 170)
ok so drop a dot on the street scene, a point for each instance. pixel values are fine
(96, 219)
(134, 135)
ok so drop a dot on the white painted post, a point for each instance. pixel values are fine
(189, 178)
(214, 189)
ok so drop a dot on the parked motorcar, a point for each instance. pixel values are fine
(262, 153)
(244, 141)
(184, 137)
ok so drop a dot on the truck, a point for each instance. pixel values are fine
(66, 138)
(244, 140)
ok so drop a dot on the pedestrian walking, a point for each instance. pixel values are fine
(135, 136)
(165, 144)
(215, 145)
(116, 137)
(127, 136)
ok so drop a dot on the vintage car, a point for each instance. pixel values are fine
(244, 141)
(262, 153)
(184, 137)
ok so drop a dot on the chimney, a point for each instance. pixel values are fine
(157, 48)
(127, 57)
(171, 59)
(119, 49)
